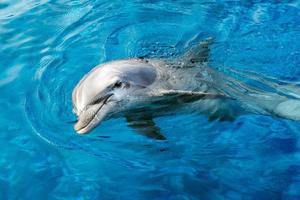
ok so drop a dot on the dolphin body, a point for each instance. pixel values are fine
(140, 89)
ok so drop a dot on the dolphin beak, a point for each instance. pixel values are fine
(93, 115)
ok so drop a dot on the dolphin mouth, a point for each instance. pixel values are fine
(89, 118)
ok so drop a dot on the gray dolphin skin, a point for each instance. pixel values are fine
(141, 89)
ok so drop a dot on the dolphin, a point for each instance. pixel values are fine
(141, 89)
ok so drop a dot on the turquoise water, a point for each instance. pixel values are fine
(47, 46)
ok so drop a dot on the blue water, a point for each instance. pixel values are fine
(46, 46)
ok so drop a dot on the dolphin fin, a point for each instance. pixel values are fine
(222, 114)
(198, 53)
(144, 125)
(289, 109)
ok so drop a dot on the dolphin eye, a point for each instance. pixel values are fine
(118, 84)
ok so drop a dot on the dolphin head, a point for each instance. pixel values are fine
(106, 89)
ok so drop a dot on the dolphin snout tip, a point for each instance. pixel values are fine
(80, 129)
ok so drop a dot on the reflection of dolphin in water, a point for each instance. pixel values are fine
(141, 89)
